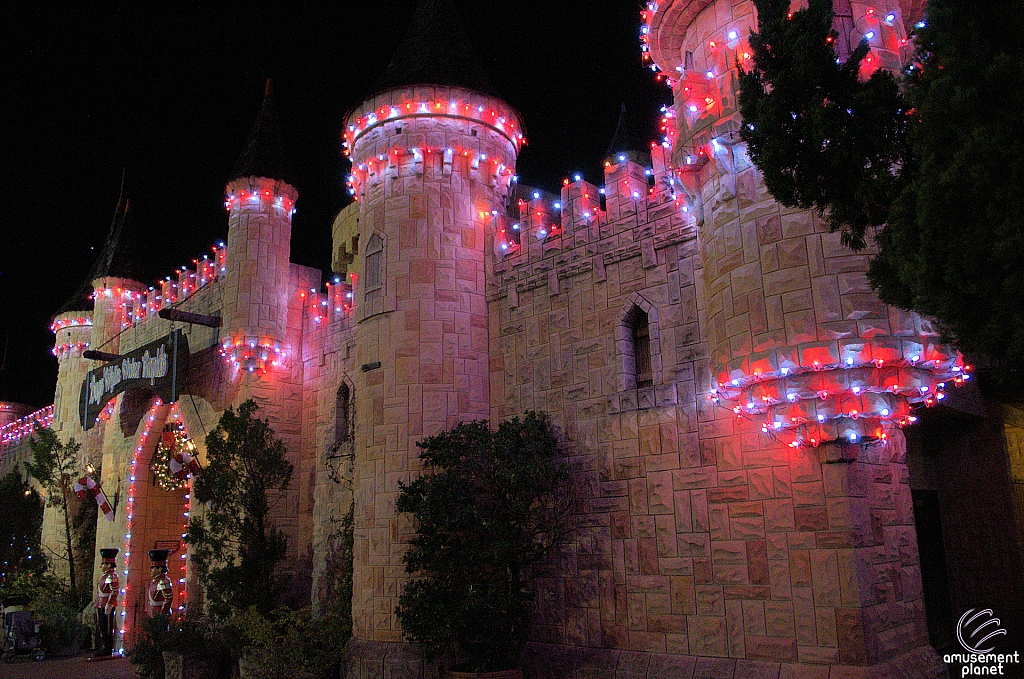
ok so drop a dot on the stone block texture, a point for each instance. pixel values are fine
(704, 549)
(431, 185)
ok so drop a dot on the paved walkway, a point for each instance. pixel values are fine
(67, 668)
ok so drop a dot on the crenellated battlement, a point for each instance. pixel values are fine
(587, 213)
(432, 131)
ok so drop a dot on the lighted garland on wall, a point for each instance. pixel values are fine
(281, 202)
(182, 580)
(252, 354)
(417, 156)
(135, 306)
(126, 554)
(61, 323)
(12, 432)
(852, 393)
(702, 91)
(490, 116)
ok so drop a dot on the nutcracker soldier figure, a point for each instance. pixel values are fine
(160, 591)
(106, 601)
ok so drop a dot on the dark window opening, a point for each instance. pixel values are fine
(374, 262)
(639, 325)
(343, 416)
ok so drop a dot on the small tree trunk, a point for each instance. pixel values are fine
(67, 533)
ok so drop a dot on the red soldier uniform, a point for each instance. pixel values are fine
(161, 592)
(106, 601)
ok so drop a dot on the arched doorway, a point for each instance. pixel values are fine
(157, 517)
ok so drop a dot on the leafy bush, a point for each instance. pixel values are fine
(147, 651)
(20, 526)
(489, 504)
(190, 635)
(288, 644)
(60, 623)
(336, 591)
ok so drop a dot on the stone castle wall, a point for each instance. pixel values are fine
(701, 537)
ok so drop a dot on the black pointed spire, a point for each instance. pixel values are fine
(624, 142)
(118, 258)
(264, 155)
(435, 51)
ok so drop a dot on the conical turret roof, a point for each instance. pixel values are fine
(625, 142)
(118, 258)
(435, 51)
(264, 154)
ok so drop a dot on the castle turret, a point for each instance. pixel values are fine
(260, 198)
(808, 368)
(433, 155)
(94, 317)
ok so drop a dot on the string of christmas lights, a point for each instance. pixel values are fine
(252, 354)
(282, 202)
(182, 581)
(494, 117)
(12, 432)
(136, 306)
(126, 554)
(483, 163)
(70, 322)
(857, 392)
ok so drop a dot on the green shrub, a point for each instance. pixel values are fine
(192, 635)
(60, 624)
(287, 644)
(489, 504)
(147, 651)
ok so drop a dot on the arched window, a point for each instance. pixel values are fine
(374, 263)
(640, 334)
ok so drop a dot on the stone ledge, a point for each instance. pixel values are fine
(549, 661)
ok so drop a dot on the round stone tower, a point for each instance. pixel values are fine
(433, 155)
(94, 317)
(807, 366)
(260, 199)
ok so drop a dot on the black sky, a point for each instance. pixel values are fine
(170, 92)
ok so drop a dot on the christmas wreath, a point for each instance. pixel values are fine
(174, 459)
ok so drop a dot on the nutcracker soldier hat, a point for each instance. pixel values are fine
(158, 557)
(108, 555)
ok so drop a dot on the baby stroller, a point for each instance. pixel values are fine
(21, 633)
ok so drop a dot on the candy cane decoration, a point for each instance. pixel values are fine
(182, 464)
(86, 486)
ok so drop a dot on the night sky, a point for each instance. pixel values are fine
(171, 93)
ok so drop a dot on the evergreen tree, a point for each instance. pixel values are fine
(954, 245)
(20, 525)
(934, 171)
(822, 138)
(53, 466)
(235, 546)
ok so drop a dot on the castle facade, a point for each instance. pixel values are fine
(735, 393)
